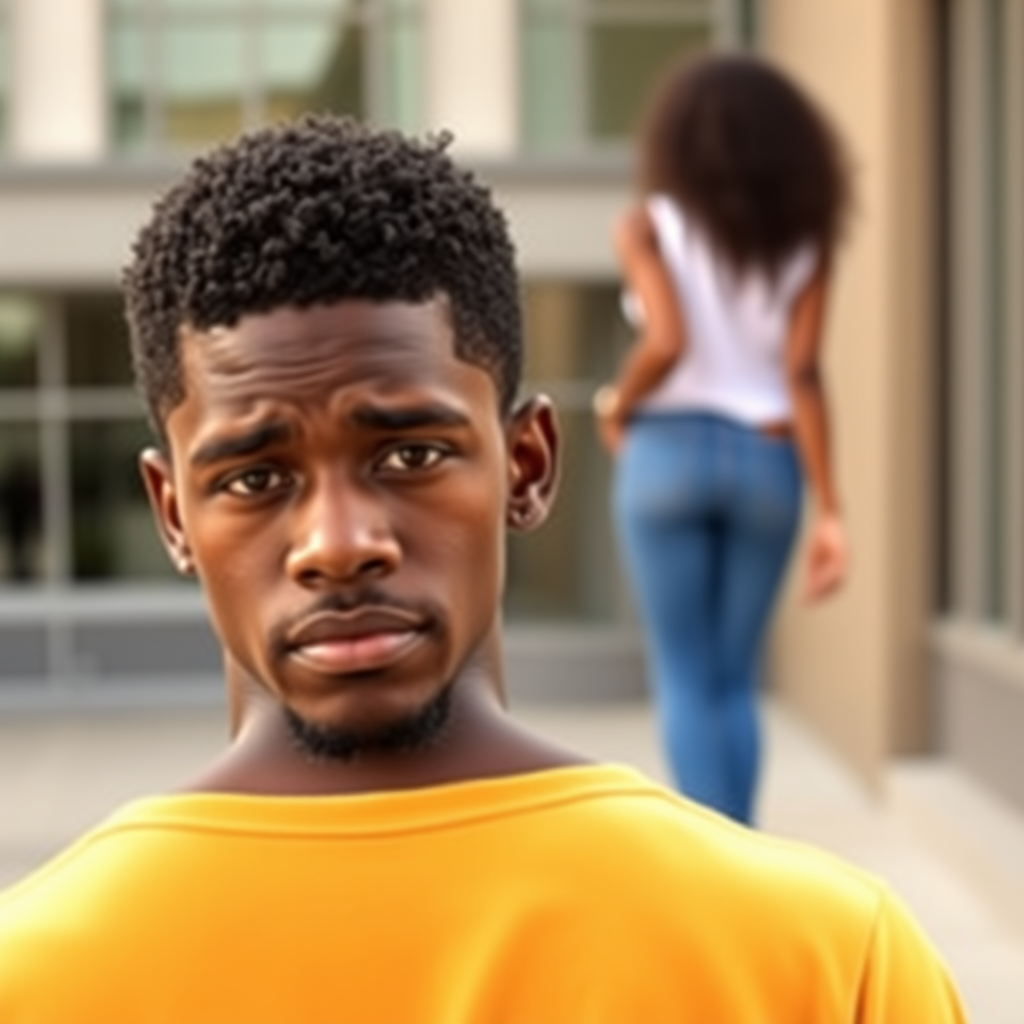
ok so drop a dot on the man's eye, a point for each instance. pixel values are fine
(258, 480)
(411, 457)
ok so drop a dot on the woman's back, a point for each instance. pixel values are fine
(736, 324)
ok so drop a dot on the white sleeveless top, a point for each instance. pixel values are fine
(736, 327)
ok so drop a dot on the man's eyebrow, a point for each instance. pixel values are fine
(428, 415)
(249, 443)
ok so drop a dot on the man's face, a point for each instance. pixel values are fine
(340, 481)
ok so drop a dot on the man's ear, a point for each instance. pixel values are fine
(158, 476)
(534, 449)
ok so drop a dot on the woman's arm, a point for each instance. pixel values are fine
(662, 335)
(827, 553)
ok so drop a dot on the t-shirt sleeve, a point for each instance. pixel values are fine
(904, 978)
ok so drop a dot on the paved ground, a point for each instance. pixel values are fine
(61, 774)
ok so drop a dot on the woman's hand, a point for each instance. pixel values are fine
(828, 557)
(609, 417)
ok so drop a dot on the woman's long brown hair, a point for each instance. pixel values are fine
(749, 156)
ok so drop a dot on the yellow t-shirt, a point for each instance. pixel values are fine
(583, 894)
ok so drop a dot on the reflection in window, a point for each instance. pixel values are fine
(574, 333)
(307, 68)
(21, 515)
(19, 341)
(201, 68)
(588, 66)
(549, 73)
(623, 64)
(566, 570)
(575, 338)
(96, 341)
(113, 535)
(126, 55)
(184, 73)
(21, 499)
(401, 74)
(71, 498)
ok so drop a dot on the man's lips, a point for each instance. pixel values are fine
(340, 643)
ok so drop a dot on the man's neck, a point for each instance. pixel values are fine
(479, 740)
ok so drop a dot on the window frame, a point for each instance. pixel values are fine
(376, 19)
(730, 23)
(985, 208)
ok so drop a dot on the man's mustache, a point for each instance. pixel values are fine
(365, 599)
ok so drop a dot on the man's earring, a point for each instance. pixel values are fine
(523, 516)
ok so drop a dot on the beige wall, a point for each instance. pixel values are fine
(855, 666)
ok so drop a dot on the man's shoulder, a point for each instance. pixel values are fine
(91, 861)
(628, 824)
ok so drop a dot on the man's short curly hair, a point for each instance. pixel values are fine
(321, 210)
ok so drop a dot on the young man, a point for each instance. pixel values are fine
(326, 331)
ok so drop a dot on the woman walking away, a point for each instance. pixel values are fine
(718, 413)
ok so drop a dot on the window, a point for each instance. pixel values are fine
(588, 65)
(72, 504)
(185, 73)
(21, 534)
(567, 570)
(982, 308)
(74, 510)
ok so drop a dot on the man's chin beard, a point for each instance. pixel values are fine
(416, 731)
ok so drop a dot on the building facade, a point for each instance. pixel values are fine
(923, 654)
(102, 102)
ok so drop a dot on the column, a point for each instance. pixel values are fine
(472, 73)
(57, 110)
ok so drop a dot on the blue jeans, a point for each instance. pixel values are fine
(706, 510)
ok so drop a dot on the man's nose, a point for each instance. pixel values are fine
(342, 534)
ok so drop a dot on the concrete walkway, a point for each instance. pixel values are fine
(61, 774)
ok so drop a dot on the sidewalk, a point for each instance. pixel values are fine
(61, 774)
